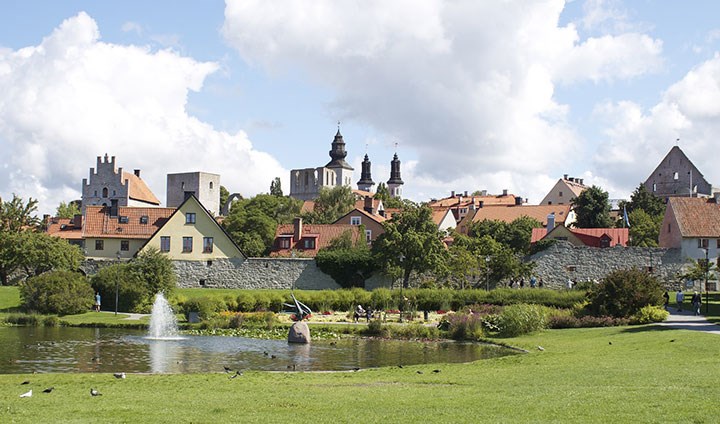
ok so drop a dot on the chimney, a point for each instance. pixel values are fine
(297, 227)
(77, 221)
(565, 176)
(452, 193)
(481, 204)
(581, 181)
(137, 172)
(550, 222)
(465, 193)
(369, 205)
(518, 201)
(483, 193)
(504, 192)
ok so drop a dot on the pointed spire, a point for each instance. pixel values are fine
(338, 153)
(366, 181)
(395, 172)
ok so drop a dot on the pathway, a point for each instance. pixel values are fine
(129, 315)
(685, 320)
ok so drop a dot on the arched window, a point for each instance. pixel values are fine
(105, 192)
(675, 176)
(211, 185)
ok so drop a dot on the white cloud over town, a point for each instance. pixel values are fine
(72, 97)
(468, 85)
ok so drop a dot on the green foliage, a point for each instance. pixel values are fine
(35, 253)
(382, 193)
(330, 205)
(592, 209)
(156, 271)
(57, 292)
(623, 293)
(276, 188)
(515, 235)
(649, 314)
(349, 267)
(206, 307)
(16, 215)
(67, 210)
(411, 242)
(252, 222)
(519, 319)
(642, 199)
(224, 195)
(644, 228)
(463, 326)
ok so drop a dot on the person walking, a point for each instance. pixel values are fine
(696, 300)
(666, 297)
(97, 301)
(679, 298)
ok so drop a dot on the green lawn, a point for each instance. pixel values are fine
(9, 299)
(638, 374)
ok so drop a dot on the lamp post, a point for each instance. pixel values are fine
(401, 258)
(487, 273)
(706, 269)
(117, 286)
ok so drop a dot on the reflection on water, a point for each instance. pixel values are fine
(59, 349)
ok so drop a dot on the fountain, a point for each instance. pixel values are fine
(163, 324)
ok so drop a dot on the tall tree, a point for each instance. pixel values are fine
(15, 215)
(276, 188)
(224, 195)
(645, 229)
(331, 204)
(592, 209)
(35, 253)
(411, 242)
(515, 235)
(641, 198)
(67, 210)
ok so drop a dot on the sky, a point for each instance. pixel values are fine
(471, 95)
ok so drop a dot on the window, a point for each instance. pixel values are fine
(99, 244)
(125, 245)
(309, 243)
(190, 218)
(211, 185)
(123, 219)
(144, 219)
(368, 235)
(654, 187)
(717, 243)
(209, 263)
(703, 243)
(675, 176)
(207, 244)
(355, 220)
(560, 194)
(187, 244)
(164, 243)
(284, 243)
(105, 192)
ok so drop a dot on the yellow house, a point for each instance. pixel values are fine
(192, 234)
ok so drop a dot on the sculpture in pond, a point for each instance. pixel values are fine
(299, 331)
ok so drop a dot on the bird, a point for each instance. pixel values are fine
(419, 372)
(94, 392)
(119, 375)
(436, 371)
(48, 390)
(28, 394)
(265, 353)
(540, 348)
(25, 382)
(400, 366)
(356, 369)
(227, 369)
(237, 374)
(672, 341)
(273, 356)
(609, 343)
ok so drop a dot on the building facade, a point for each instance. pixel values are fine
(203, 185)
(110, 186)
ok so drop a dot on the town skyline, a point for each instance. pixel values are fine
(513, 99)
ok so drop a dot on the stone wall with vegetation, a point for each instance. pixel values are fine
(562, 262)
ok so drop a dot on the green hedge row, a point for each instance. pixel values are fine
(378, 299)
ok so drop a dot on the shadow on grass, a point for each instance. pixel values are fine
(647, 327)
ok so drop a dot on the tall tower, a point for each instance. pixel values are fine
(366, 181)
(395, 182)
(342, 169)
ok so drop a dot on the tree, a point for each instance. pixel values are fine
(382, 193)
(35, 253)
(155, 270)
(57, 292)
(411, 242)
(347, 263)
(331, 204)
(67, 210)
(622, 293)
(515, 235)
(224, 195)
(645, 229)
(592, 209)
(17, 216)
(276, 188)
(641, 198)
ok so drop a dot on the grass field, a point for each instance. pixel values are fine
(638, 374)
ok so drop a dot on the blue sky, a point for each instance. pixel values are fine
(475, 95)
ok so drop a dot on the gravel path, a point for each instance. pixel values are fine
(687, 321)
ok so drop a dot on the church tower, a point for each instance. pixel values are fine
(343, 170)
(395, 182)
(366, 183)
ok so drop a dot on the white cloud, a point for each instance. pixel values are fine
(467, 85)
(72, 98)
(132, 27)
(638, 139)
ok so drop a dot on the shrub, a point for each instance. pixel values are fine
(623, 293)
(205, 306)
(649, 314)
(569, 321)
(521, 319)
(51, 321)
(245, 302)
(462, 326)
(24, 319)
(57, 292)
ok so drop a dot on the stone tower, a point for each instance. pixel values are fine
(343, 170)
(395, 182)
(204, 186)
(366, 183)
(110, 186)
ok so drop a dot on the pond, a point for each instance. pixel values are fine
(70, 349)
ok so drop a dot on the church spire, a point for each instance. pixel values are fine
(395, 182)
(338, 153)
(366, 181)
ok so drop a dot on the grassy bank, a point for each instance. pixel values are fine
(639, 374)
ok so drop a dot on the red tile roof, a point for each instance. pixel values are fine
(375, 217)
(99, 224)
(696, 217)
(491, 200)
(64, 228)
(138, 190)
(590, 236)
(322, 233)
(511, 213)
(438, 213)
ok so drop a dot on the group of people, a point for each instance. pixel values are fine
(534, 282)
(695, 301)
(362, 313)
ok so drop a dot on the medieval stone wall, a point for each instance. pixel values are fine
(562, 262)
